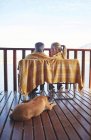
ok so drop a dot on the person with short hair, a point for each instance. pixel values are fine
(39, 47)
(38, 52)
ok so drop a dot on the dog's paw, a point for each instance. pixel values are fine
(54, 104)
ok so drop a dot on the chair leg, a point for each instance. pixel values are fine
(62, 97)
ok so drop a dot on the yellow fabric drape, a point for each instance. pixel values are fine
(59, 55)
(34, 72)
(37, 55)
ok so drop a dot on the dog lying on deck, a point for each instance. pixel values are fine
(33, 108)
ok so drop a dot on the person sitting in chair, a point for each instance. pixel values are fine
(58, 51)
(37, 54)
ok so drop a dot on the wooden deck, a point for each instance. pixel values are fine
(69, 120)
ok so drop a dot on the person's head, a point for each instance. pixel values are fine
(39, 47)
(55, 48)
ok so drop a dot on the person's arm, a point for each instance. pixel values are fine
(64, 51)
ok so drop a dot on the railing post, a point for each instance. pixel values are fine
(75, 54)
(67, 54)
(66, 85)
(23, 54)
(14, 71)
(83, 66)
(90, 72)
(5, 71)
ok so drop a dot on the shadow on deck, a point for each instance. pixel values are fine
(68, 120)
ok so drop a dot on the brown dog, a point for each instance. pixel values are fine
(35, 107)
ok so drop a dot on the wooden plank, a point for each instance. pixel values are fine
(48, 129)
(58, 128)
(38, 129)
(5, 113)
(17, 131)
(81, 111)
(28, 130)
(82, 100)
(66, 121)
(8, 127)
(79, 117)
(2, 94)
(87, 92)
(77, 127)
(7, 130)
(66, 124)
(4, 101)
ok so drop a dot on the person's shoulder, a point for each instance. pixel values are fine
(29, 56)
(45, 55)
(59, 55)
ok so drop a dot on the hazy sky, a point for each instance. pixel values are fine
(24, 22)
